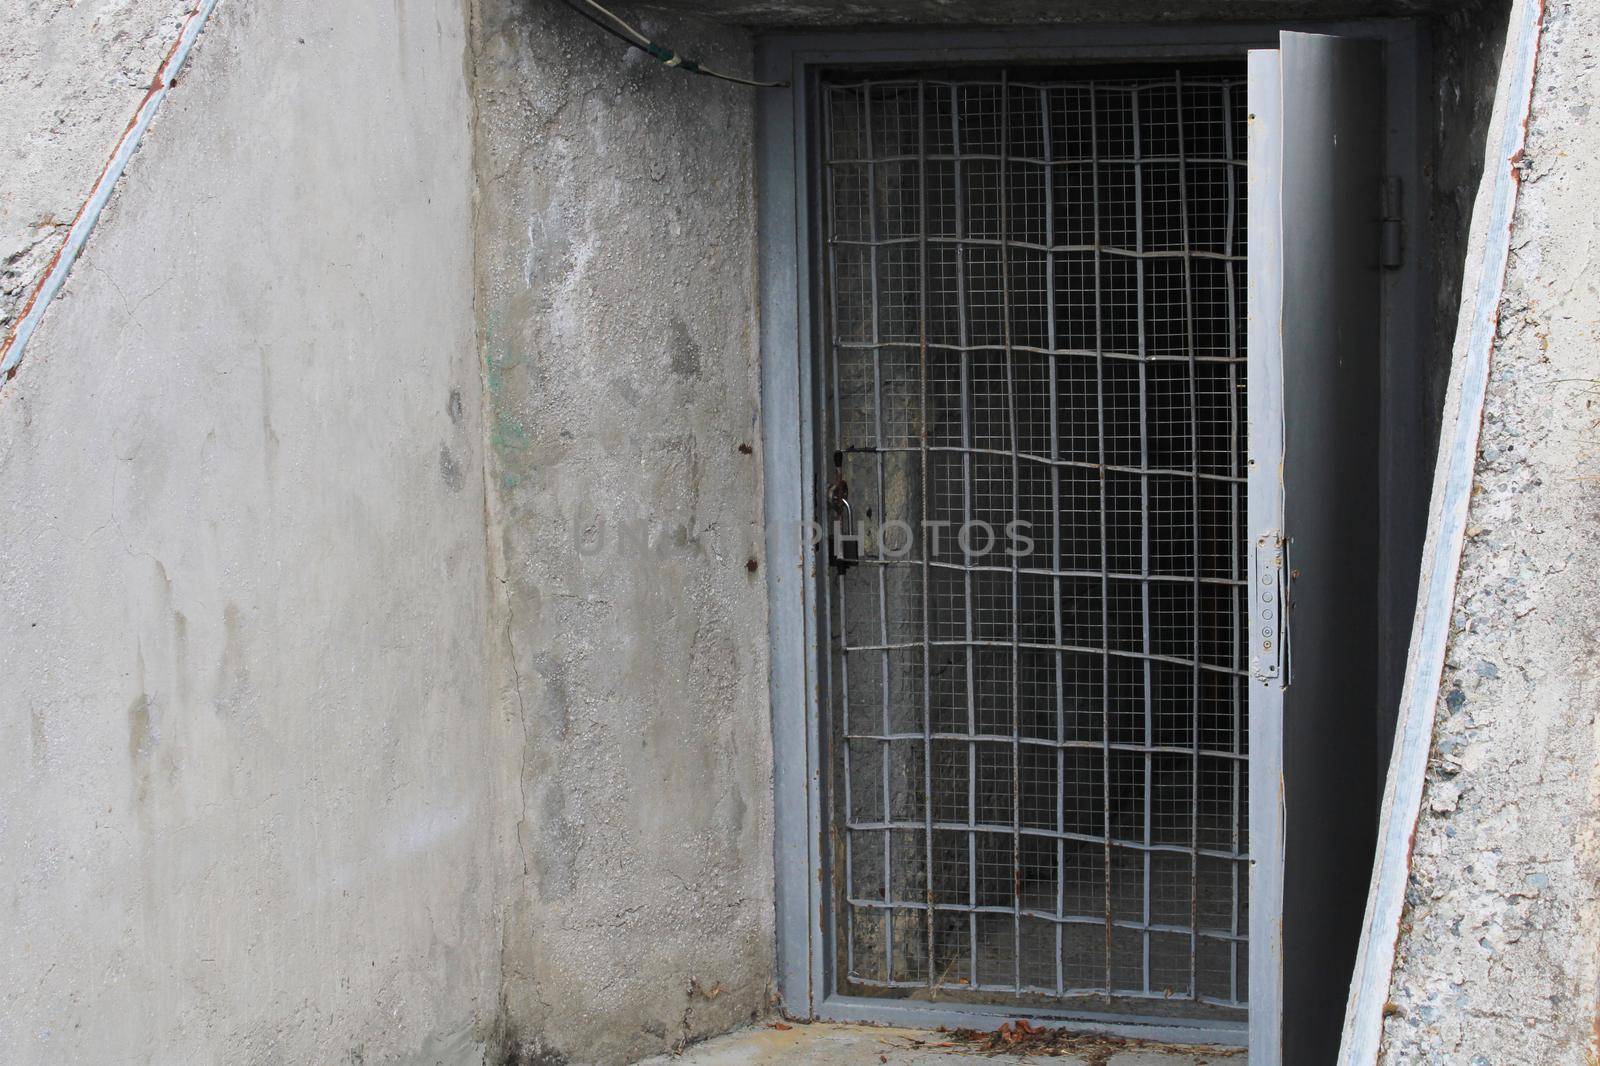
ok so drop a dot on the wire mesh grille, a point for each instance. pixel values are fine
(1035, 393)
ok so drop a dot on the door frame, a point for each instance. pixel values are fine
(793, 470)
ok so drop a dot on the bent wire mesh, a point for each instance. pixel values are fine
(1034, 393)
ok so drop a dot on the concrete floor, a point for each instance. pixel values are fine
(824, 1044)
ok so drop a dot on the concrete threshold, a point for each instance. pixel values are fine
(831, 1044)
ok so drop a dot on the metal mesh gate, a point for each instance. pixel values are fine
(1034, 293)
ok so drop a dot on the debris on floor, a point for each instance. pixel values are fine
(1022, 1037)
(793, 1042)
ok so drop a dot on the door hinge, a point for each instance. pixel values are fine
(1269, 608)
(1391, 228)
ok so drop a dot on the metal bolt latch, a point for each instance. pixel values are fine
(1269, 605)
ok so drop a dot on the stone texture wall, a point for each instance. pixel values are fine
(617, 331)
(248, 784)
(1497, 959)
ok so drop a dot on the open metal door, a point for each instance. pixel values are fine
(1316, 161)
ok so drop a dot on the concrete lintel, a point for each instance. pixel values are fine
(800, 13)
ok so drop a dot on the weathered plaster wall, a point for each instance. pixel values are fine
(248, 797)
(1497, 958)
(618, 336)
(71, 74)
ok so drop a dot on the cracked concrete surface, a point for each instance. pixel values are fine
(1497, 959)
(71, 75)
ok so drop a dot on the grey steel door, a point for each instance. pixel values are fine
(1316, 165)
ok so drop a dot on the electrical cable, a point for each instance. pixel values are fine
(623, 31)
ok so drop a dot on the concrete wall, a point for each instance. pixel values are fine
(1497, 959)
(248, 796)
(70, 75)
(617, 328)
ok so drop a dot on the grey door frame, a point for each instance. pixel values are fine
(792, 468)
(1264, 346)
